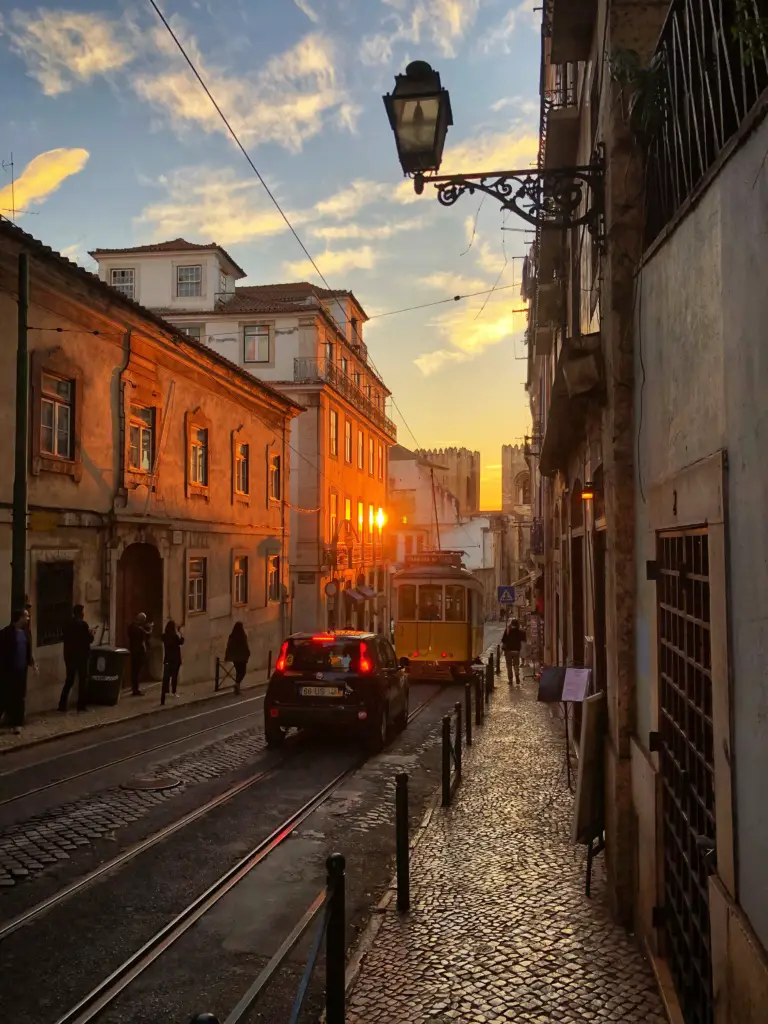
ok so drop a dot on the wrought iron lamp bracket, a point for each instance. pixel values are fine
(551, 199)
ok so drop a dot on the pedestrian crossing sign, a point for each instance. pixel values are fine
(506, 595)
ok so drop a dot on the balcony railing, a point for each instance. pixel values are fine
(709, 70)
(307, 370)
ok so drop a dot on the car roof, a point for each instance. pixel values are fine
(343, 634)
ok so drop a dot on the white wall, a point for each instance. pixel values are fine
(702, 314)
(155, 277)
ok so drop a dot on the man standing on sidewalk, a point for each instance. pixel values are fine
(139, 633)
(512, 642)
(15, 660)
(78, 638)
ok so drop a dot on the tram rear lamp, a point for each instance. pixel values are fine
(362, 715)
(274, 713)
(443, 655)
(415, 654)
(280, 663)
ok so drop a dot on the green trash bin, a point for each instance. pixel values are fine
(106, 668)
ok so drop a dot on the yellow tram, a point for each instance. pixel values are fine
(438, 615)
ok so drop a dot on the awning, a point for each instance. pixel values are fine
(354, 595)
(366, 591)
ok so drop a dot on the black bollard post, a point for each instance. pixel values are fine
(402, 843)
(498, 659)
(217, 677)
(468, 710)
(479, 702)
(269, 665)
(457, 745)
(446, 760)
(335, 941)
(204, 1018)
(488, 680)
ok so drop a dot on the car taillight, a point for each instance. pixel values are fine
(365, 662)
(280, 663)
(274, 713)
(443, 655)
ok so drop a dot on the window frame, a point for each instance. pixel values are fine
(189, 295)
(380, 461)
(371, 456)
(124, 270)
(186, 328)
(56, 364)
(240, 567)
(348, 441)
(141, 425)
(203, 577)
(412, 592)
(361, 449)
(51, 397)
(333, 515)
(274, 474)
(261, 330)
(197, 420)
(240, 441)
(49, 639)
(333, 433)
(361, 518)
(371, 522)
(348, 510)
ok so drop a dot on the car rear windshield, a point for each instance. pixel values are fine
(318, 655)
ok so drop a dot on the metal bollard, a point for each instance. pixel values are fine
(479, 702)
(468, 710)
(335, 941)
(489, 683)
(402, 840)
(269, 665)
(217, 677)
(446, 760)
(498, 659)
(204, 1018)
(457, 745)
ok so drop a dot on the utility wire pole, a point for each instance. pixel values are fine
(19, 527)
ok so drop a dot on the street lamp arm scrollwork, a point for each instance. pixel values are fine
(549, 199)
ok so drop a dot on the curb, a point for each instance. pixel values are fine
(94, 726)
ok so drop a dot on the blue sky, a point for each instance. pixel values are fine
(115, 144)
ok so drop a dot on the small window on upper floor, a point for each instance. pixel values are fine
(194, 331)
(275, 478)
(57, 416)
(256, 344)
(198, 456)
(344, 365)
(242, 468)
(124, 280)
(356, 378)
(141, 439)
(222, 282)
(189, 282)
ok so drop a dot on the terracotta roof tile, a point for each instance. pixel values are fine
(174, 245)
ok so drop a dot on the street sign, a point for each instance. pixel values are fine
(506, 595)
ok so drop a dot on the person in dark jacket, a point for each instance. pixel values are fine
(172, 643)
(78, 637)
(16, 659)
(512, 642)
(238, 652)
(139, 633)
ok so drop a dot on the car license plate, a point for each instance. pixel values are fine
(321, 691)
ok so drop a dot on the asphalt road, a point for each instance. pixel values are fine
(48, 965)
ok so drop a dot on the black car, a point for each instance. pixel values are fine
(342, 678)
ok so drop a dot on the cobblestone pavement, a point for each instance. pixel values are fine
(500, 928)
(52, 724)
(29, 847)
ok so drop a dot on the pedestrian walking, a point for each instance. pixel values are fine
(511, 643)
(139, 633)
(172, 644)
(238, 652)
(78, 637)
(16, 659)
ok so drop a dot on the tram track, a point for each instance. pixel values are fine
(75, 776)
(90, 1006)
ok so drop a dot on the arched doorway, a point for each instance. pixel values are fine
(140, 589)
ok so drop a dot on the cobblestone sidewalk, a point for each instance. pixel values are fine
(500, 928)
(50, 725)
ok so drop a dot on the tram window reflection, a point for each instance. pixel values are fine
(430, 603)
(406, 602)
(454, 604)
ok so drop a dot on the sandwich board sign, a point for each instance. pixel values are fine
(506, 595)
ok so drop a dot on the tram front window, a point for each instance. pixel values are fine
(430, 603)
(406, 602)
(454, 604)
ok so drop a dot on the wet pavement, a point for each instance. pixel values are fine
(500, 928)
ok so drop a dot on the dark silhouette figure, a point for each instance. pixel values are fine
(78, 637)
(172, 644)
(16, 659)
(238, 652)
(139, 633)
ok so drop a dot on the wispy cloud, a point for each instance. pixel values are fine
(528, 106)
(352, 198)
(334, 232)
(305, 8)
(41, 177)
(65, 48)
(213, 204)
(443, 23)
(292, 97)
(334, 262)
(523, 16)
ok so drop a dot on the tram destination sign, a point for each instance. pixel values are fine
(452, 558)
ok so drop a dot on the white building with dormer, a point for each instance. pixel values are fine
(308, 343)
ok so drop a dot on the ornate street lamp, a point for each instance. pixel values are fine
(419, 110)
